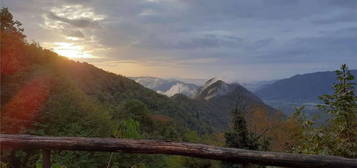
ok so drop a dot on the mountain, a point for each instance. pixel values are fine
(305, 88)
(211, 102)
(153, 83)
(298, 90)
(217, 98)
(52, 95)
(77, 89)
(215, 88)
(168, 87)
(43, 93)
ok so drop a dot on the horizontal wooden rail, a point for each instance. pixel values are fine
(173, 148)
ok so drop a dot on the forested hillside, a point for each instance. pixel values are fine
(214, 101)
(221, 98)
(43, 93)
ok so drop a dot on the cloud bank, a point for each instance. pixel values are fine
(231, 39)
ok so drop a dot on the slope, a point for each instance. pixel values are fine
(300, 88)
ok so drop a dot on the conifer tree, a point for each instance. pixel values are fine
(338, 136)
(342, 105)
(241, 137)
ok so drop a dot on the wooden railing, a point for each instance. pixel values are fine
(47, 144)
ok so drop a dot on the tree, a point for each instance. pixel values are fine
(339, 135)
(342, 106)
(240, 137)
(11, 42)
(8, 25)
(302, 136)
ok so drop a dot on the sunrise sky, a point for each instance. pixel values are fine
(236, 40)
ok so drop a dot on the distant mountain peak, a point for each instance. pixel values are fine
(212, 88)
(210, 81)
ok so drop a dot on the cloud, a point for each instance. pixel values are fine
(324, 49)
(347, 17)
(80, 23)
(201, 37)
(182, 41)
(343, 3)
(73, 33)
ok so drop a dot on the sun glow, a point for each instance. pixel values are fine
(70, 50)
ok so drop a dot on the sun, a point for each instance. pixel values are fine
(70, 50)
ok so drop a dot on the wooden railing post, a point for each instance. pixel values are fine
(46, 156)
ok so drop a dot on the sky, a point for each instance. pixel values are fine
(235, 40)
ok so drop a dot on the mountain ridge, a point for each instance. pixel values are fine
(223, 97)
(300, 88)
(214, 100)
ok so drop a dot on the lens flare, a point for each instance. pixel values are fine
(21, 111)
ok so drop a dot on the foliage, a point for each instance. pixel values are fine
(241, 137)
(62, 97)
(338, 135)
(271, 126)
(43, 93)
(11, 36)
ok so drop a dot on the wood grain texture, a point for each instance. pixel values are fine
(173, 148)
